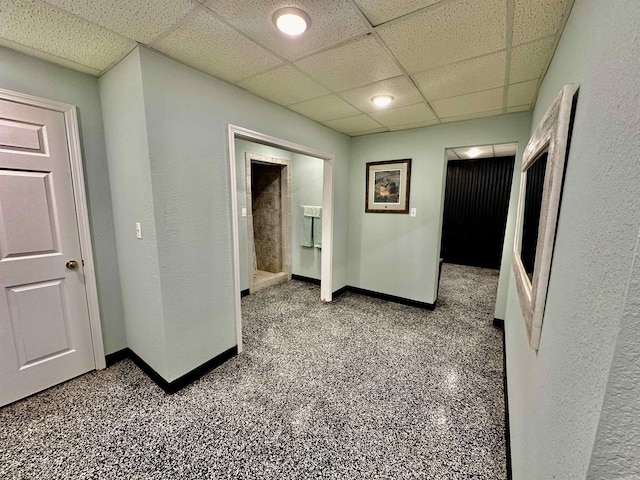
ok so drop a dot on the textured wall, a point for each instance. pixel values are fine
(187, 132)
(398, 254)
(25, 74)
(131, 191)
(616, 452)
(556, 396)
(266, 191)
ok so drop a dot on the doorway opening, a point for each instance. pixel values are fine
(477, 190)
(476, 204)
(268, 220)
(317, 198)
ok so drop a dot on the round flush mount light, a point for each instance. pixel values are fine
(473, 153)
(291, 21)
(382, 100)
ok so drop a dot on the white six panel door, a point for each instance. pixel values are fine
(45, 334)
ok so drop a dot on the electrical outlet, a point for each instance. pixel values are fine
(244, 212)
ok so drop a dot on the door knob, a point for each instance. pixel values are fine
(72, 264)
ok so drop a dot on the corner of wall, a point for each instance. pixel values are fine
(126, 133)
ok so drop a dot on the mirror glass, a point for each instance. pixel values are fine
(532, 205)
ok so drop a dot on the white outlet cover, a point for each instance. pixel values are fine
(413, 212)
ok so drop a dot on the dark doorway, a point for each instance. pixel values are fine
(476, 204)
(266, 211)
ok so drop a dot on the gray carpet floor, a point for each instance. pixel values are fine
(358, 388)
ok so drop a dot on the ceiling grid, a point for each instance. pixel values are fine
(441, 60)
(507, 70)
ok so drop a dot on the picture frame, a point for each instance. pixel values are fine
(543, 165)
(388, 186)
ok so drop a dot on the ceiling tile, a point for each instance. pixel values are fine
(505, 150)
(451, 155)
(350, 125)
(284, 85)
(325, 108)
(529, 61)
(50, 58)
(209, 45)
(537, 19)
(378, 12)
(419, 112)
(485, 151)
(42, 27)
(468, 76)
(400, 88)
(408, 126)
(354, 64)
(331, 22)
(522, 93)
(368, 132)
(447, 33)
(471, 116)
(519, 108)
(469, 104)
(141, 20)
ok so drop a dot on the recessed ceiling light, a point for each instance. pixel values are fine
(473, 152)
(291, 21)
(382, 100)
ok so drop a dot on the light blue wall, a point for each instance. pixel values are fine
(242, 147)
(131, 191)
(187, 114)
(398, 254)
(616, 451)
(556, 395)
(306, 189)
(32, 76)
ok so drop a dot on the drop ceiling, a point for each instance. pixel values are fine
(442, 61)
(482, 151)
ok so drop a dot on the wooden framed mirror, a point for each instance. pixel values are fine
(543, 164)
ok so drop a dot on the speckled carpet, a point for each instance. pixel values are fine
(359, 388)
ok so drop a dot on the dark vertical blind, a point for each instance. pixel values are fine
(476, 204)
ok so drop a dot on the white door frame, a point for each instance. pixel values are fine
(82, 213)
(326, 272)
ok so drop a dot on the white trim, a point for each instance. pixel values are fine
(326, 274)
(82, 212)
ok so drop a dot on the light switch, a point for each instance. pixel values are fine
(244, 212)
(413, 212)
(138, 230)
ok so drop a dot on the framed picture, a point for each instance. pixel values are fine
(387, 189)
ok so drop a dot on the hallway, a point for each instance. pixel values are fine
(358, 388)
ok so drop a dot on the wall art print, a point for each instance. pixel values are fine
(387, 187)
